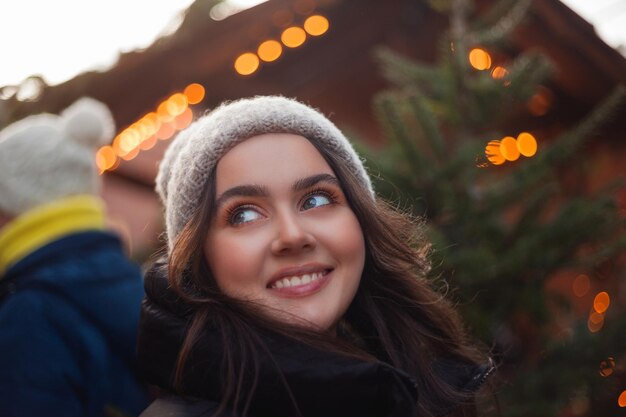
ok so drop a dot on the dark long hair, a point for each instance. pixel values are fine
(397, 316)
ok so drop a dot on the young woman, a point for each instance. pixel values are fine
(288, 287)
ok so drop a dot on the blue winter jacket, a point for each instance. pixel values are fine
(68, 321)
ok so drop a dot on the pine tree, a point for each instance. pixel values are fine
(501, 233)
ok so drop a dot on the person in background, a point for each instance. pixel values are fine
(288, 288)
(69, 296)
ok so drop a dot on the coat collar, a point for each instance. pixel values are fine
(321, 383)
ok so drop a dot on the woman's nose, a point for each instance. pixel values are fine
(292, 235)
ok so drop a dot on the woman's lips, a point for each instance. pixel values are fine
(304, 281)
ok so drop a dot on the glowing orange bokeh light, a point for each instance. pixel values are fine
(176, 104)
(105, 158)
(293, 37)
(499, 72)
(270, 50)
(492, 151)
(129, 139)
(316, 25)
(601, 302)
(148, 143)
(164, 112)
(246, 63)
(526, 144)
(581, 285)
(621, 401)
(166, 131)
(151, 122)
(508, 148)
(183, 120)
(195, 93)
(480, 59)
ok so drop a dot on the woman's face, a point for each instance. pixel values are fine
(284, 234)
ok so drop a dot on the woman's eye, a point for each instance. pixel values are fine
(244, 215)
(316, 200)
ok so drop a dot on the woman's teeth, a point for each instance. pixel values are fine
(297, 280)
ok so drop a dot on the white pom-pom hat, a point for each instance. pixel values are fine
(46, 157)
(189, 160)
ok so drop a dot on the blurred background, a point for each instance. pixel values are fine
(502, 122)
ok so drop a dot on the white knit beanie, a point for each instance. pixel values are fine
(47, 157)
(185, 168)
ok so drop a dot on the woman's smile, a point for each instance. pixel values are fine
(300, 281)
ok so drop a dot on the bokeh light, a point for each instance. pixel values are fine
(581, 285)
(601, 302)
(148, 143)
(492, 151)
(176, 104)
(526, 144)
(540, 102)
(195, 93)
(105, 158)
(270, 50)
(129, 139)
(316, 25)
(163, 111)
(293, 37)
(499, 72)
(131, 155)
(595, 322)
(166, 131)
(607, 367)
(480, 59)
(246, 63)
(508, 148)
(621, 401)
(183, 120)
(152, 122)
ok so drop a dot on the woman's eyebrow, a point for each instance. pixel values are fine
(308, 182)
(242, 191)
(254, 190)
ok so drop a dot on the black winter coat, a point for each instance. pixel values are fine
(323, 384)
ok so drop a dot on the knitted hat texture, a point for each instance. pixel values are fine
(46, 157)
(188, 161)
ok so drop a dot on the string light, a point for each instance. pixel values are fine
(316, 25)
(480, 59)
(293, 36)
(499, 72)
(492, 151)
(194, 92)
(526, 144)
(510, 148)
(270, 50)
(171, 115)
(601, 302)
(246, 63)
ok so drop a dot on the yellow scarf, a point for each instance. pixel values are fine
(46, 223)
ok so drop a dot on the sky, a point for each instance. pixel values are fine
(60, 39)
